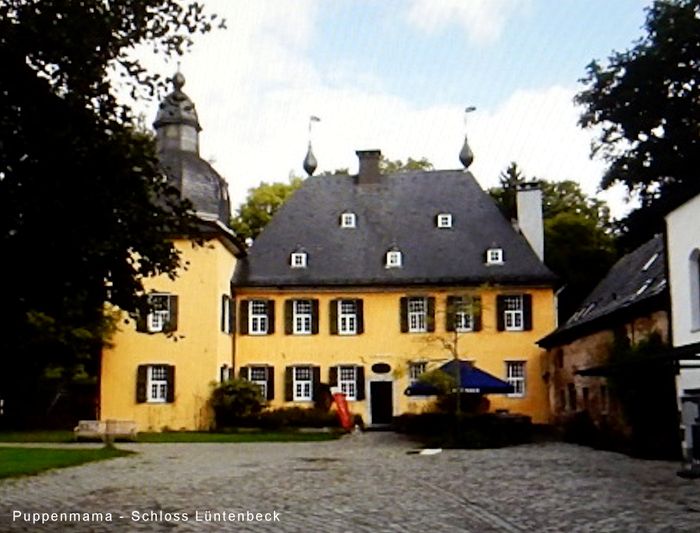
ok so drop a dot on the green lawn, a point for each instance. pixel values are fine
(27, 461)
(36, 436)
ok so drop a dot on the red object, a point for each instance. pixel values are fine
(343, 411)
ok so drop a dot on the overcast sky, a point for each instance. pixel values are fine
(396, 75)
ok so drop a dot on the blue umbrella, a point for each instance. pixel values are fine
(471, 380)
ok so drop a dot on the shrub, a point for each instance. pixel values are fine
(236, 400)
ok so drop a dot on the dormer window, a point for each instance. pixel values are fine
(444, 220)
(298, 260)
(348, 220)
(494, 256)
(393, 259)
(650, 262)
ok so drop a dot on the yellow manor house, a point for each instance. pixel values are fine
(358, 282)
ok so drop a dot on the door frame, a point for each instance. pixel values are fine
(378, 379)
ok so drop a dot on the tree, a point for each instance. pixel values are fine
(645, 102)
(387, 166)
(261, 204)
(578, 240)
(85, 212)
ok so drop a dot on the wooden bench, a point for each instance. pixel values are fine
(105, 430)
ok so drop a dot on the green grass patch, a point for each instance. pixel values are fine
(251, 436)
(36, 436)
(27, 461)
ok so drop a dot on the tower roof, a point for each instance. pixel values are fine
(176, 107)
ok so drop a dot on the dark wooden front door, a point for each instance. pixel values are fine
(382, 404)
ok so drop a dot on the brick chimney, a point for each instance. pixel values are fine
(369, 166)
(529, 206)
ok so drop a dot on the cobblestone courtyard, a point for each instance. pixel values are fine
(363, 482)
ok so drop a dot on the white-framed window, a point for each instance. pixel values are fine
(225, 373)
(494, 256)
(298, 260)
(347, 381)
(417, 314)
(157, 384)
(513, 313)
(302, 383)
(302, 316)
(416, 369)
(464, 315)
(226, 314)
(258, 320)
(347, 317)
(348, 220)
(515, 375)
(258, 375)
(444, 220)
(159, 314)
(393, 259)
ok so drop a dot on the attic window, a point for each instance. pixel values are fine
(348, 220)
(298, 260)
(393, 259)
(444, 220)
(650, 262)
(494, 256)
(644, 287)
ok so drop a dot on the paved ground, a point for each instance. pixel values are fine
(363, 482)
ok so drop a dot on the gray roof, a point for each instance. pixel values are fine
(634, 284)
(396, 213)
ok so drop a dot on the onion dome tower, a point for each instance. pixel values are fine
(177, 138)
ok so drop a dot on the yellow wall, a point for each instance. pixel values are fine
(382, 341)
(197, 349)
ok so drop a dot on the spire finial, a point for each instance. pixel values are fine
(178, 79)
(466, 156)
(310, 162)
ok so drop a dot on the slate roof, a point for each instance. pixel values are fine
(397, 213)
(636, 283)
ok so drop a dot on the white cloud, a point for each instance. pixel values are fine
(483, 20)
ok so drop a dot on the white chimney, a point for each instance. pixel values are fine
(529, 205)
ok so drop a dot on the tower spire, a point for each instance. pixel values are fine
(466, 156)
(310, 163)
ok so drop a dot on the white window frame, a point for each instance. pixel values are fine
(298, 260)
(444, 220)
(260, 382)
(415, 369)
(516, 374)
(394, 259)
(494, 256)
(158, 318)
(302, 320)
(157, 384)
(347, 321)
(226, 310)
(302, 386)
(514, 318)
(463, 315)
(348, 220)
(258, 322)
(347, 381)
(416, 316)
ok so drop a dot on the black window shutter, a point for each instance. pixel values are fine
(244, 372)
(527, 312)
(141, 379)
(314, 317)
(222, 373)
(359, 305)
(224, 307)
(360, 383)
(231, 315)
(316, 381)
(142, 317)
(172, 319)
(288, 384)
(450, 313)
(404, 314)
(243, 322)
(430, 322)
(288, 317)
(333, 314)
(500, 310)
(270, 317)
(476, 311)
(170, 397)
(333, 376)
(270, 383)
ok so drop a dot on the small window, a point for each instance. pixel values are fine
(415, 370)
(463, 315)
(225, 373)
(157, 386)
(302, 317)
(393, 259)
(347, 317)
(494, 256)
(347, 381)
(417, 315)
(444, 220)
(159, 315)
(644, 287)
(513, 313)
(258, 318)
(650, 262)
(298, 260)
(227, 314)
(515, 375)
(302, 383)
(348, 220)
(258, 375)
